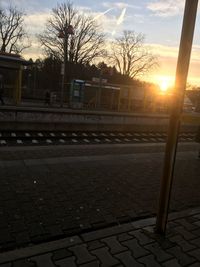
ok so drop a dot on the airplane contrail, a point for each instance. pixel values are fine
(121, 17)
(103, 13)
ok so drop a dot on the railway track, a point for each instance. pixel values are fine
(21, 138)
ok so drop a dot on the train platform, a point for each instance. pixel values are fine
(130, 244)
(53, 192)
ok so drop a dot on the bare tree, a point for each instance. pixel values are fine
(13, 37)
(85, 45)
(130, 56)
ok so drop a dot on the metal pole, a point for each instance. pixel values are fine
(64, 69)
(174, 123)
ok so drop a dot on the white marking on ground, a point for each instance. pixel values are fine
(48, 141)
(96, 140)
(63, 134)
(107, 140)
(86, 140)
(117, 140)
(13, 134)
(52, 134)
(112, 134)
(74, 134)
(144, 139)
(34, 141)
(84, 134)
(74, 141)
(19, 141)
(103, 134)
(40, 134)
(61, 140)
(127, 140)
(137, 134)
(27, 134)
(3, 142)
(93, 134)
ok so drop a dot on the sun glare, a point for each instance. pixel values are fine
(164, 86)
(165, 83)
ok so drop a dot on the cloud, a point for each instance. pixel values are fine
(166, 8)
(119, 5)
(35, 23)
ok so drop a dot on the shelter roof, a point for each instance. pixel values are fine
(9, 60)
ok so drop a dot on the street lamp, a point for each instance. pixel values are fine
(69, 30)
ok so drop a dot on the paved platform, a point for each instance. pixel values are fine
(132, 244)
(51, 193)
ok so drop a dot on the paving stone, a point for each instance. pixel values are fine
(159, 253)
(149, 261)
(92, 245)
(165, 243)
(184, 233)
(183, 258)
(43, 260)
(61, 254)
(197, 264)
(195, 253)
(172, 263)
(123, 237)
(143, 238)
(67, 262)
(196, 242)
(24, 263)
(185, 246)
(91, 264)
(105, 257)
(197, 223)
(186, 224)
(127, 259)
(114, 245)
(196, 232)
(82, 254)
(135, 248)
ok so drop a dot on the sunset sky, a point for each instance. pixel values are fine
(159, 20)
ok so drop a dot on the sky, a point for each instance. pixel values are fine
(159, 20)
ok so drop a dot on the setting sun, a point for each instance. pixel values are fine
(164, 86)
(165, 83)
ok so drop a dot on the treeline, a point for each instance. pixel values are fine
(45, 74)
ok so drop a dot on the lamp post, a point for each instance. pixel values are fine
(69, 30)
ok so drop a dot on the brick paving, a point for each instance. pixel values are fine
(133, 244)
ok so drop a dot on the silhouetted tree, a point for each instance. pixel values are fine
(130, 56)
(85, 45)
(13, 37)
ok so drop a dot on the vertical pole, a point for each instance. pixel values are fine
(119, 100)
(174, 123)
(18, 86)
(64, 69)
